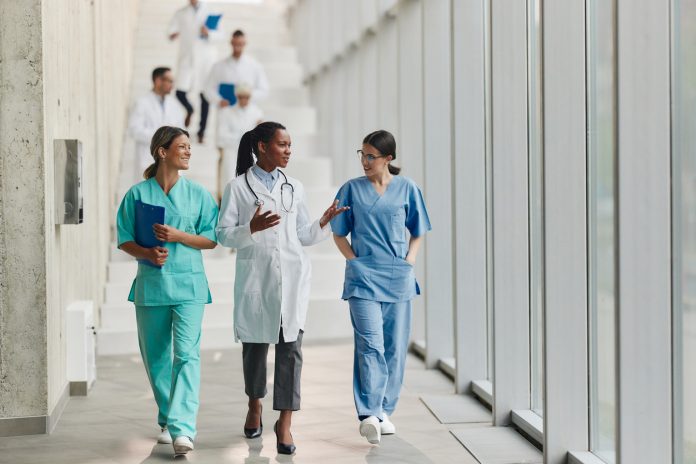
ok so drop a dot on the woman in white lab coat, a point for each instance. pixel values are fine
(233, 122)
(264, 216)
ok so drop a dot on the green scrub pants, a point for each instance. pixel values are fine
(174, 374)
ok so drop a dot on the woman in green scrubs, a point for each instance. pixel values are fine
(169, 300)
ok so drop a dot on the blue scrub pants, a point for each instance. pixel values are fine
(381, 332)
(174, 374)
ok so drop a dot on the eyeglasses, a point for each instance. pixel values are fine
(362, 156)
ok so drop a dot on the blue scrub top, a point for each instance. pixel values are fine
(188, 207)
(377, 226)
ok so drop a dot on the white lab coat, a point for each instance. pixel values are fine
(273, 272)
(233, 122)
(245, 70)
(148, 115)
(196, 54)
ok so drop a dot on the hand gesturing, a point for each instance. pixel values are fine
(262, 221)
(331, 213)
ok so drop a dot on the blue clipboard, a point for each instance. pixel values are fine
(146, 216)
(226, 91)
(213, 22)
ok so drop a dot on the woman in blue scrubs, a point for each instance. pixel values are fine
(379, 280)
(169, 298)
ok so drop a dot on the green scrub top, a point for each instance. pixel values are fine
(188, 207)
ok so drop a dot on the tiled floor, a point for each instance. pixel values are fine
(116, 422)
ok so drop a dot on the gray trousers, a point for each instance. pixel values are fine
(286, 379)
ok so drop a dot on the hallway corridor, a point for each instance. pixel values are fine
(116, 423)
(552, 144)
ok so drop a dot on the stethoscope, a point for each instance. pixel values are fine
(259, 202)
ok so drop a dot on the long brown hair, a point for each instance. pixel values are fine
(163, 138)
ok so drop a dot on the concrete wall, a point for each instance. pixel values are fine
(64, 73)
(23, 317)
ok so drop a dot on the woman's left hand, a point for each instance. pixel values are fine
(331, 213)
(167, 233)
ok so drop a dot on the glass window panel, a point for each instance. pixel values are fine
(489, 187)
(684, 227)
(536, 207)
(601, 223)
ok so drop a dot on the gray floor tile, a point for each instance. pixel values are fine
(453, 409)
(498, 445)
(116, 423)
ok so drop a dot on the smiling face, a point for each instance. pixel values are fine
(276, 153)
(373, 163)
(177, 156)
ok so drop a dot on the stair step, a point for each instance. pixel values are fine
(313, 172)
(281, 75)
(282, 54)
(324, 248)
(223, 290)
(122, 316)
(325, 270)
(329, 322)
(299, 120)
(327, 282)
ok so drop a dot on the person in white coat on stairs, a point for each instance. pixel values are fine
(196, 56)
(240, 68)
(233, 122)
(264, 216)
(151, 111)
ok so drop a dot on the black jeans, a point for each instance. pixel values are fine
(181, 96)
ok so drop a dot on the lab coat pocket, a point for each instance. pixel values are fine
(246, 278)
(248, 318)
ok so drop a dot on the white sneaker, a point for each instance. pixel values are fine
(370, 429)
(164, 437)
(182, 445)
(386, 426)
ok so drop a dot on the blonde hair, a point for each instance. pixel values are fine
(242, 90)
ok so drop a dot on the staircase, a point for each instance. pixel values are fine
(269, 40)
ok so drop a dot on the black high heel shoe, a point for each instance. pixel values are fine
(282, 447)
(255, 432)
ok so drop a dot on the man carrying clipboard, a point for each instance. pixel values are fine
(197, 30)
(237, 70)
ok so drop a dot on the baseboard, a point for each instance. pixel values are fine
(79, 388)
(54, 416)
(35, 425)
(28, 425)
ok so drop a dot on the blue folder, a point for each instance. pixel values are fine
(212, 22)
(146, 216)
(226, 91)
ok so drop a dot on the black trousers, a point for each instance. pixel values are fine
(288, 370)
(181, 96)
